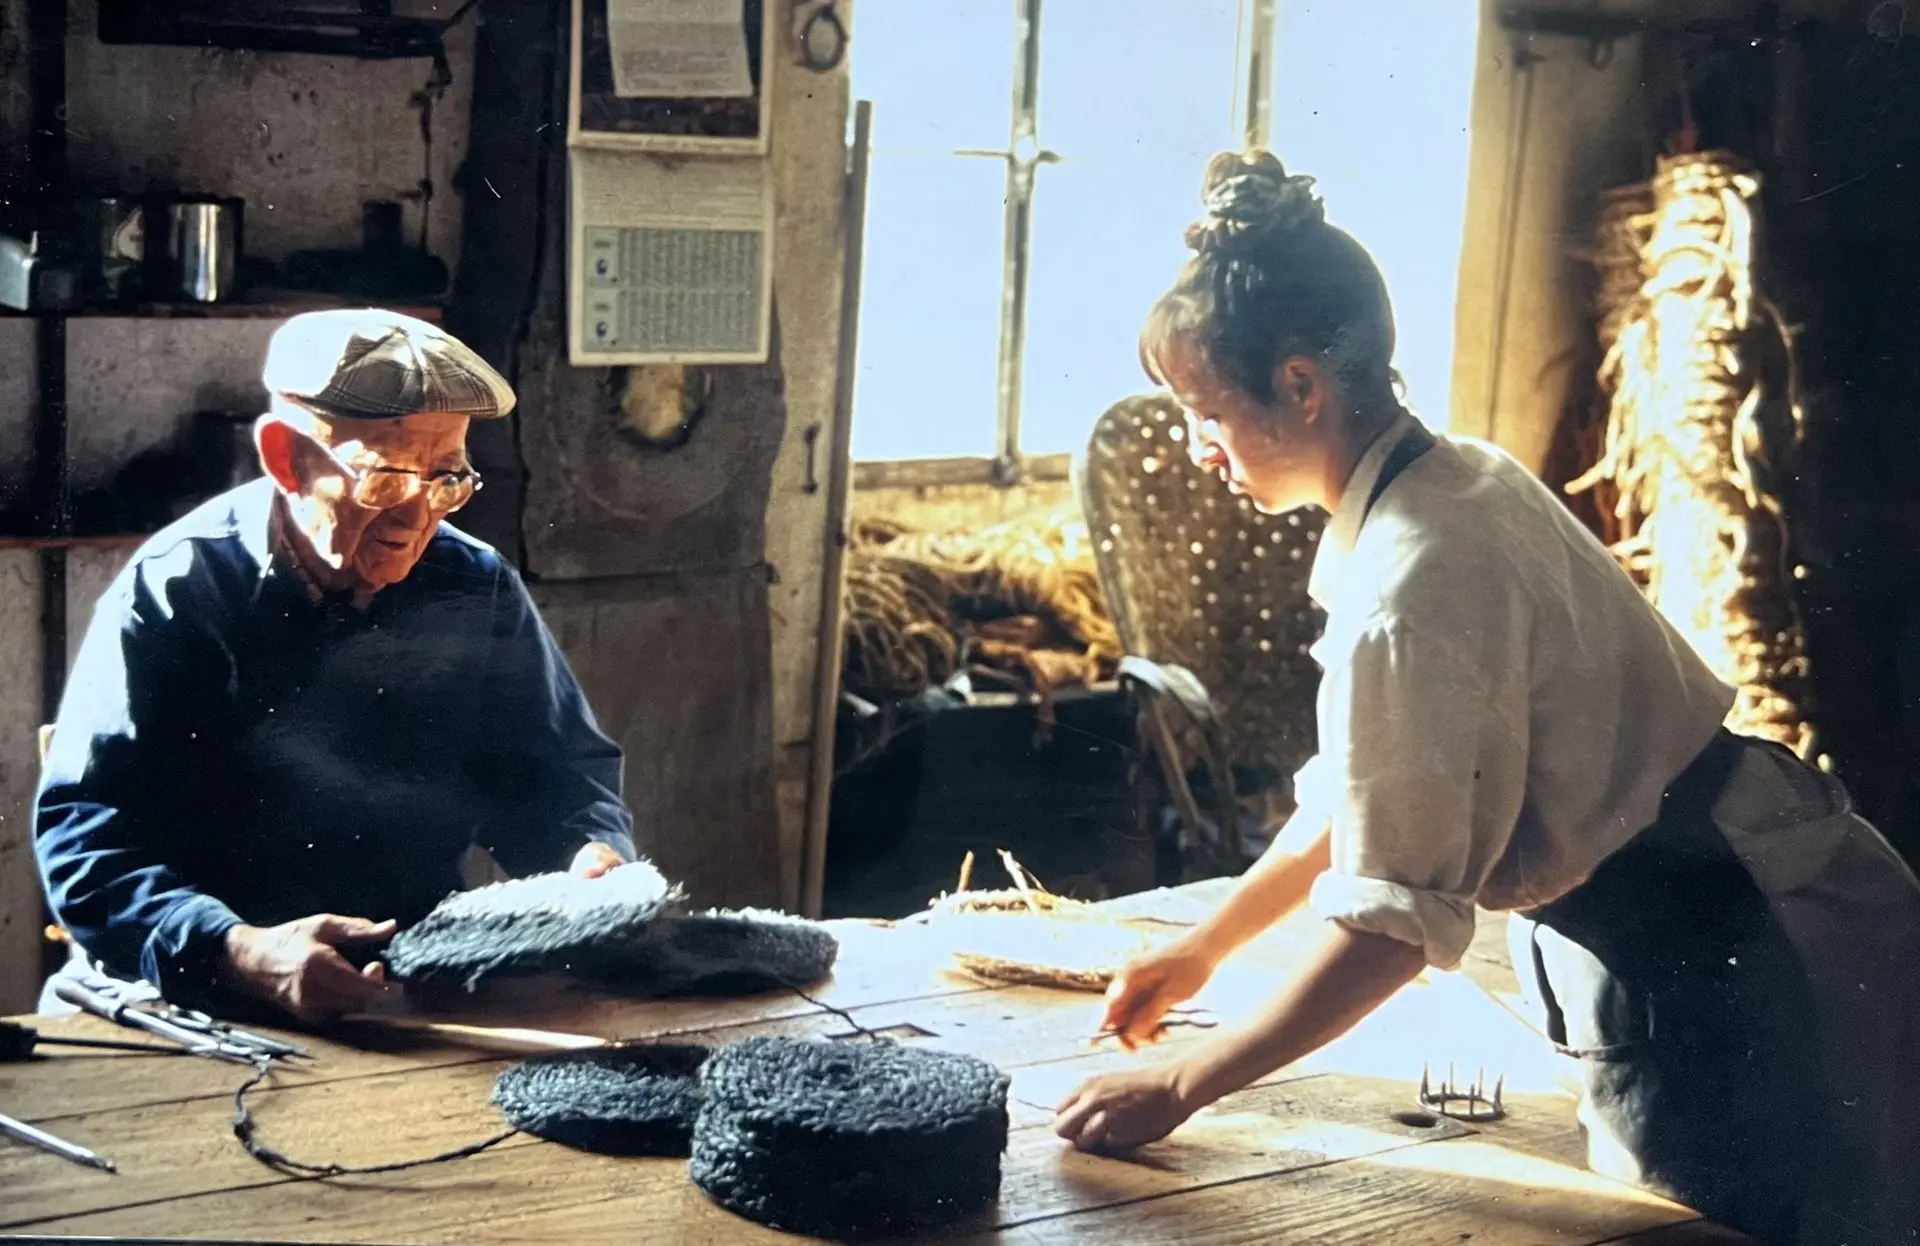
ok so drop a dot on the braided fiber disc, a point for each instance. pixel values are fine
(725, 953)
(846, 1139)
(547, 923)
(620, 931)
(634, 1100)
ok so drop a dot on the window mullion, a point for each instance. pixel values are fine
(1024, 157)
(1258, 18)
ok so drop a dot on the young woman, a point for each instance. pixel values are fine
(1505, 722)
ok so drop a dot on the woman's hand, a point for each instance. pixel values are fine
(1119, 1111)
(1146, 989)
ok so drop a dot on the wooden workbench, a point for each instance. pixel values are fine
(1327, 1152)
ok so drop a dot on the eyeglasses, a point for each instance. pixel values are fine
(383, 488)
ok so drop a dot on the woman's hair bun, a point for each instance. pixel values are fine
(1250, 195)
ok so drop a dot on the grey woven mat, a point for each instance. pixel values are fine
(622, 931)
(633, 1100)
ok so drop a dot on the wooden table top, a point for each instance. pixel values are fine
(1329, 1151)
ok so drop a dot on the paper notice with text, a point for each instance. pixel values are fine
(671, 260)
(678, 49)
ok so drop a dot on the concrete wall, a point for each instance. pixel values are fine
(303, 139)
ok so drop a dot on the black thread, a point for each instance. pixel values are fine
(245, 1130)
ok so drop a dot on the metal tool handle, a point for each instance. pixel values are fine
(47, 1142)
(87, 999)
(120, 1013)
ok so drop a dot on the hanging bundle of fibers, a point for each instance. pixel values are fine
(1685, 451)
(622, 931)
(849, 1140)
(638, 1099)
(1022, 598)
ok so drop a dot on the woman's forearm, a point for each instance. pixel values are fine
(1351, 974)
(1276, 884)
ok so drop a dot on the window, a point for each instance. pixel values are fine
(1033, 166)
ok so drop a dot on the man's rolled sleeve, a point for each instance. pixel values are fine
(1424, 749)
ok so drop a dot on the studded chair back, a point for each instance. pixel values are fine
(1212, 595)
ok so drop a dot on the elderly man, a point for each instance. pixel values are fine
(300, 706)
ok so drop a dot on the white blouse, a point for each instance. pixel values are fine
(1500, 708)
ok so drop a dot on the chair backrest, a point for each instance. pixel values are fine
(1196, 577)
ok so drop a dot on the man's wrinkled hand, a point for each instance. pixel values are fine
(1119, 1111)
(595, 859)
(298, 968)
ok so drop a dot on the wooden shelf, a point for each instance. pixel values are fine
(255, 305)
(113, 540)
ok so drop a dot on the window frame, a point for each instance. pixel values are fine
(1024, 157)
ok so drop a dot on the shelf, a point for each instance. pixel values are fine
(257, 305)
(114, 540)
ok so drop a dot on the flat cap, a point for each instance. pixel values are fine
(369, 364)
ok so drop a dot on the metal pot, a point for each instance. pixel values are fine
(193, 248)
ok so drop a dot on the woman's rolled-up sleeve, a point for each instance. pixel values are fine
(1422, 771)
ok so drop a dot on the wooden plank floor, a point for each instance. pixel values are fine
(1330, 1151)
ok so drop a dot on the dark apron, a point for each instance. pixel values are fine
(1684, 1004)
(1689, 1015)
(1415, 442)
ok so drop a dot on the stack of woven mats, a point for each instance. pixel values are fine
(834, 1139)
(845, 1140)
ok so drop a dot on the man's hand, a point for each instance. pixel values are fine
(1119, 1111)
(1143, 992)
(296, 966)
(595, 859)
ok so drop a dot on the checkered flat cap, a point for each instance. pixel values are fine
(368, 364)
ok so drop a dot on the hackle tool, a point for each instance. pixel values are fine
(59, 1146)
(1471, 1104)
(232, 1035)
(122, 1013)
(17, 1042)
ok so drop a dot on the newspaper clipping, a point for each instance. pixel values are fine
(678, 49)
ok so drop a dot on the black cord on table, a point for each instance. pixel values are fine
(245, 1129)
(841, 1013)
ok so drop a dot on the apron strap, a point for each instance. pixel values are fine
(1415, 442)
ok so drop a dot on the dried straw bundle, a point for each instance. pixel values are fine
(1028, 936)
(1684, 448)
(1022, 597)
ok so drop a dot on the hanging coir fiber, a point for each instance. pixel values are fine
(849, 1140)
(620, 930)
(633, 1100)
